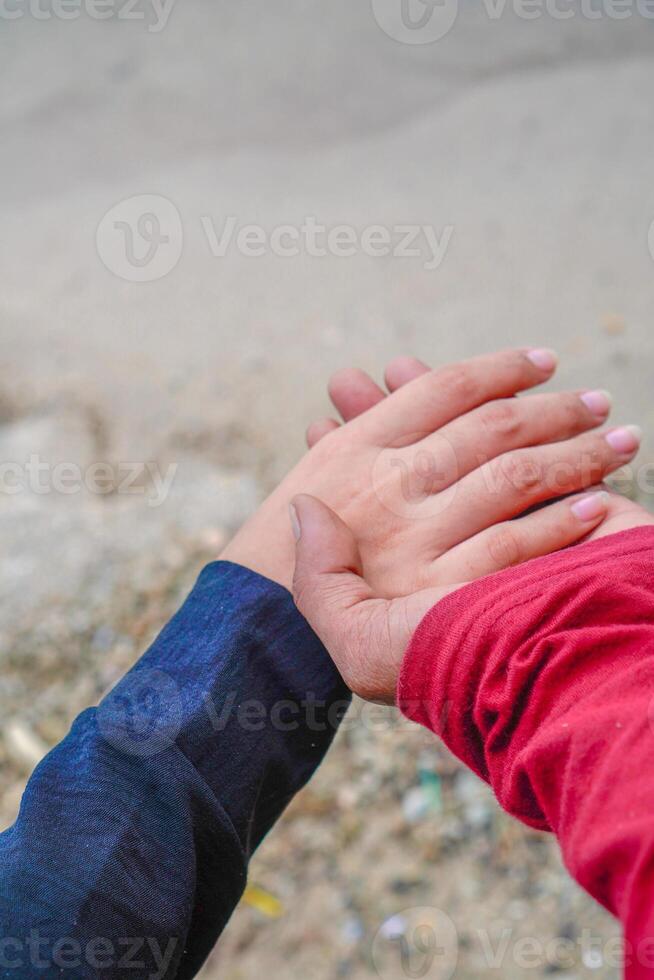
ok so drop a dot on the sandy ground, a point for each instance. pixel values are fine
(526, 145)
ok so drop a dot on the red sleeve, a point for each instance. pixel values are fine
(541, 679)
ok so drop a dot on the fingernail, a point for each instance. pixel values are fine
(598, 402)
(625, 439)
(591, 507)
(544, 358)
(295, 522)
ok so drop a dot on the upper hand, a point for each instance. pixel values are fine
(430, 478)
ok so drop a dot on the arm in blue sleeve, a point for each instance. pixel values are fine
(131, 847)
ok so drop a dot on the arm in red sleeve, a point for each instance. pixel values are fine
(541, 679)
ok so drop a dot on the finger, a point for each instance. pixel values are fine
(623, 515)
(435, 398)
(500, 426)
(365, 636)
(402, 370)
(516, 481)
(320, 428)
(352, 392)
(327, 581)
(540, 533)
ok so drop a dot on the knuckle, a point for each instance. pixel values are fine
(517, 362)
(591, 460)
(504, 547)
(516, 365)
(572, 413)
(426, 474)
(575, 408)
(522, 471)
(502, 418)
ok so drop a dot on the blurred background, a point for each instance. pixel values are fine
(169, 318)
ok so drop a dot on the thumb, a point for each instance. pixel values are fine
(328, 574)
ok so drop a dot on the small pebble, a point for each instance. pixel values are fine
(23, 746)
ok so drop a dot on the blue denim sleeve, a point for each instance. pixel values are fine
(131, 847)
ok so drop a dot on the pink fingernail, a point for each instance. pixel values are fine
(626, 439)
(544, 358)
(598, 402)
(591, 507)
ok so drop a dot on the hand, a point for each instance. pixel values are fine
(423, 477)
(353, 392)
(366, 634)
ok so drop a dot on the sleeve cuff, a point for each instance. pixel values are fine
(476, 637)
